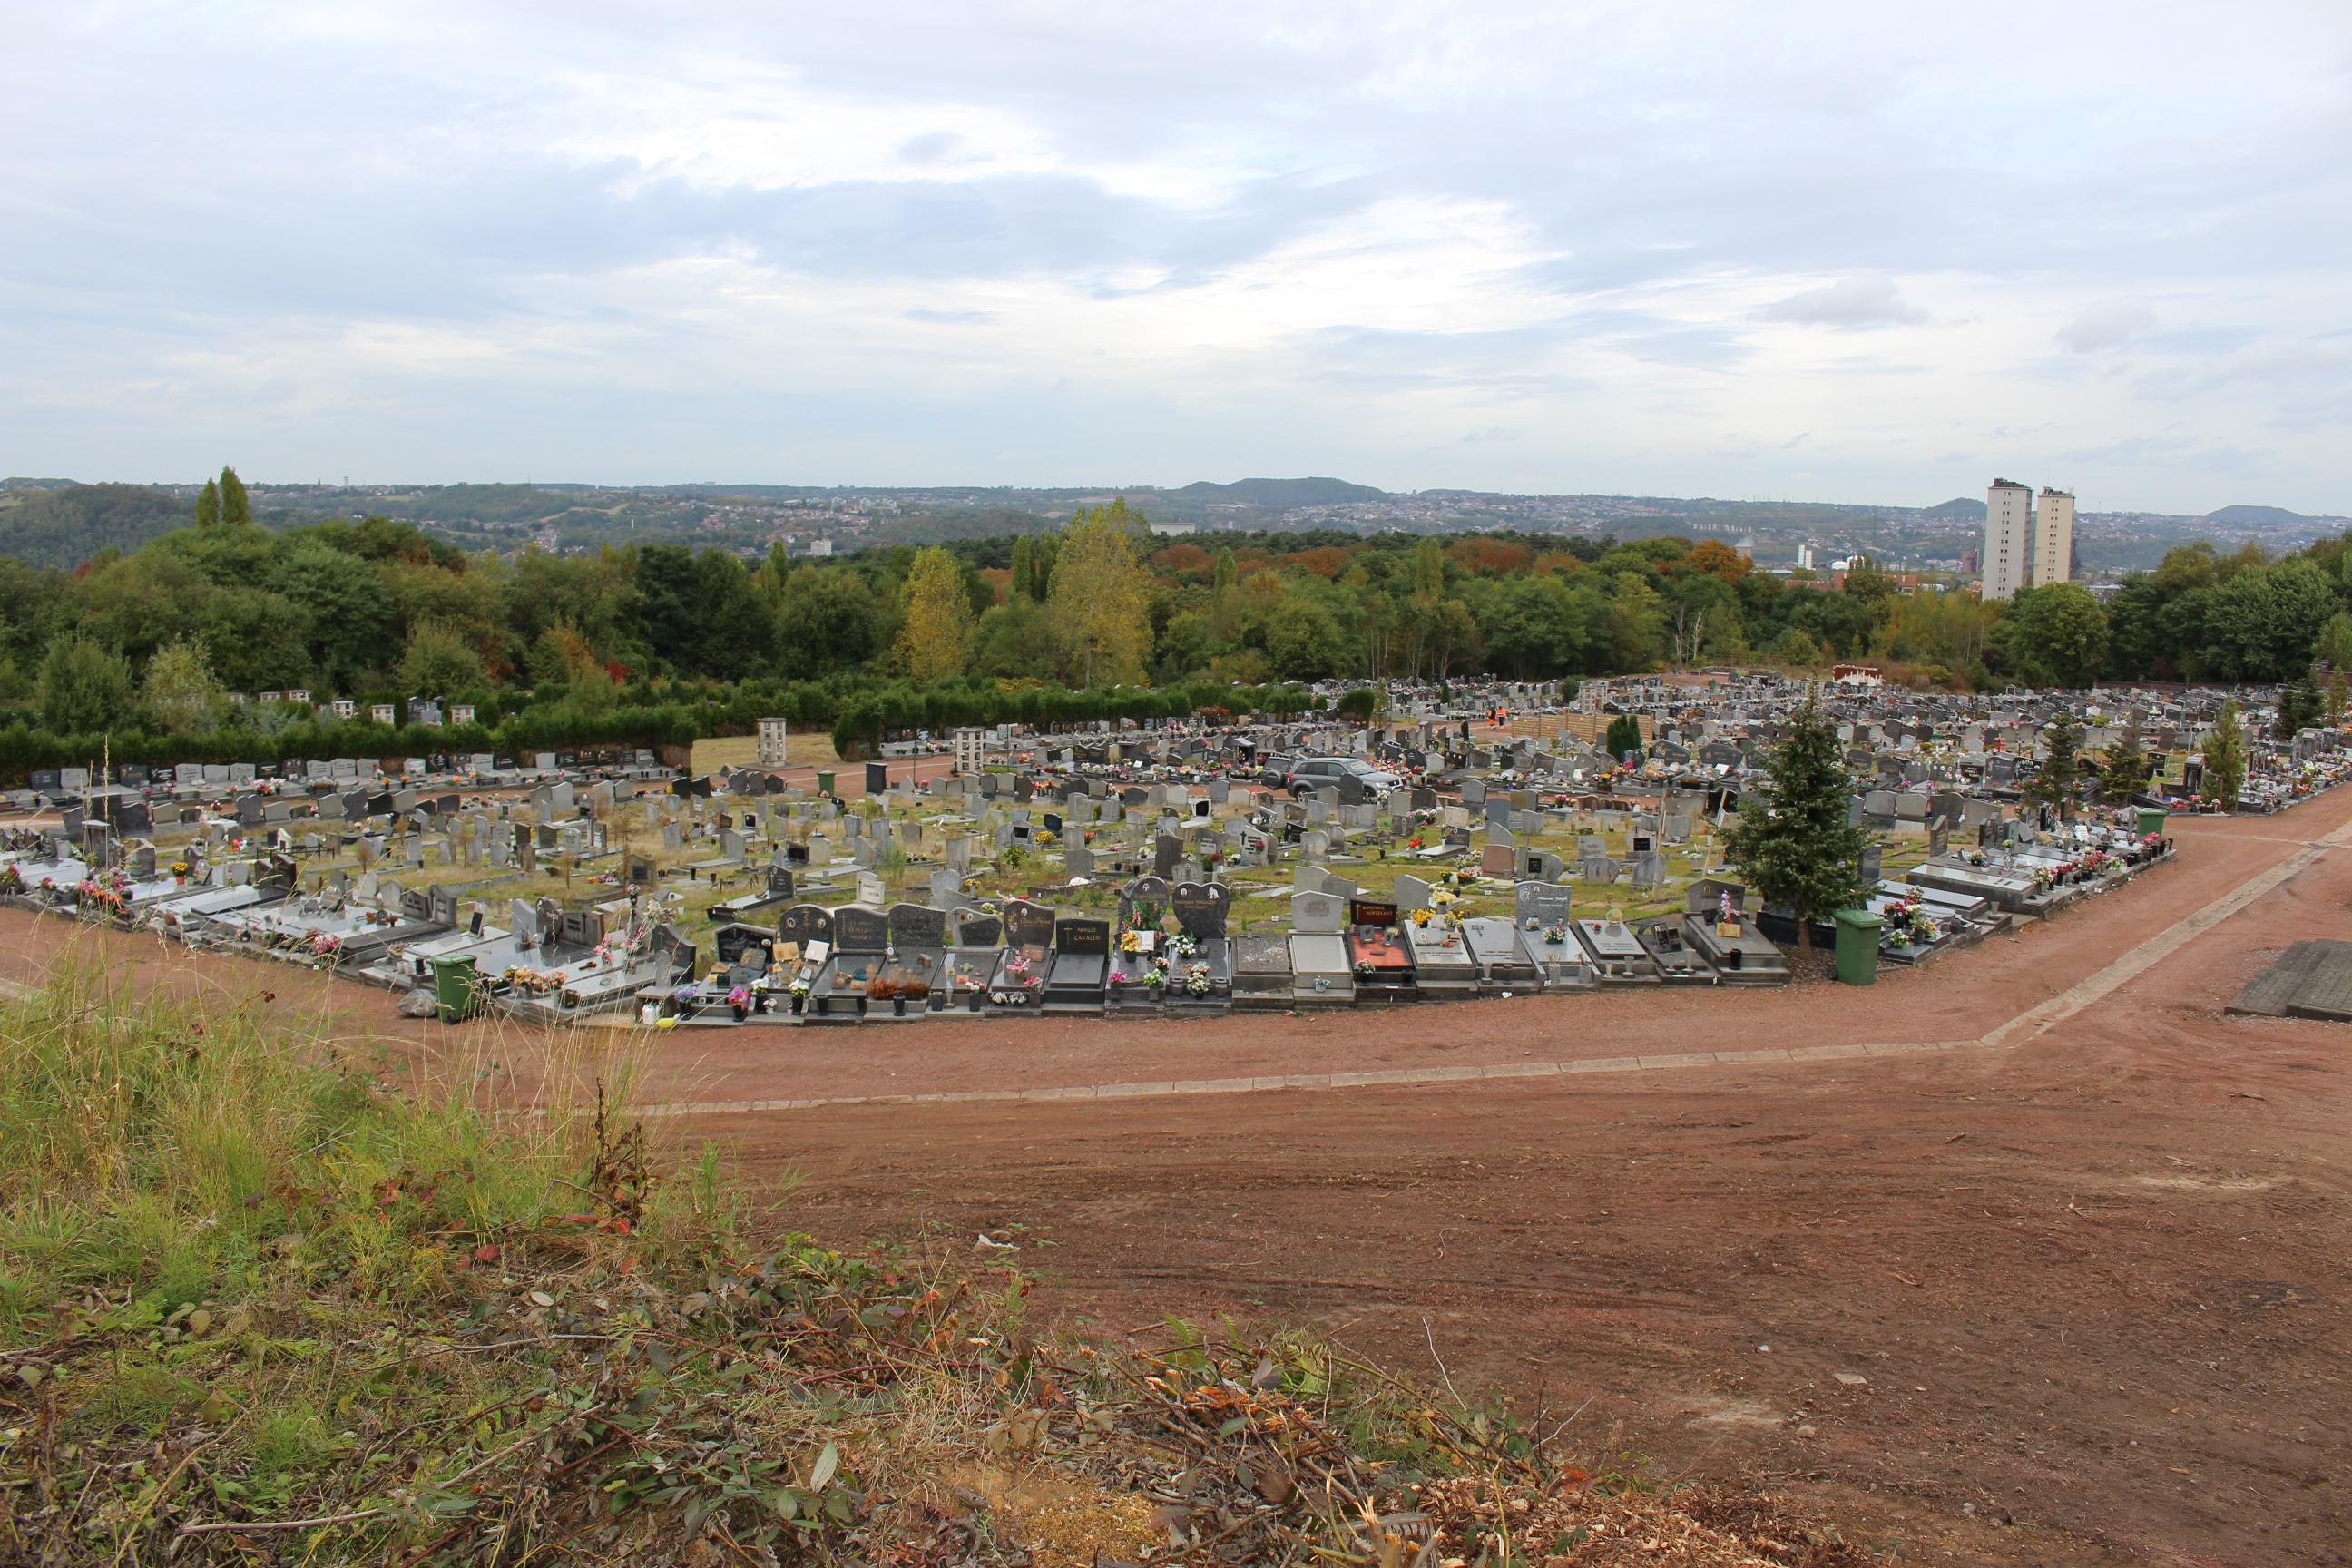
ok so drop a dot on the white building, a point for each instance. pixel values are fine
(2009, 515)
(1804, 557)
(2053, 537)
(775, 742)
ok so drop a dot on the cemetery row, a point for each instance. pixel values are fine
(1483, 909)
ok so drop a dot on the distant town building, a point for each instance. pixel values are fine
(2009, 516)
(2053, 537)
(820, 547)
(1805, 556)
(1971, 560)
(1172, 527)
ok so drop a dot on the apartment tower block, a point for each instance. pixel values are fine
(2009, 517)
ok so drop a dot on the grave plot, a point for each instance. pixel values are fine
(976, 944)
(1079, 980)
(1201, 956)
(1321, 975)
(861, 945)
(1377, 952)
(1262, 974)
(803, 947)
(1141, 974)
(1542, 917)
(1718, 927)
(1019, 983)
(914, 963)
(1503, 965)
(1617, 954)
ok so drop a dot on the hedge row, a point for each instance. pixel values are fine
(650, 715)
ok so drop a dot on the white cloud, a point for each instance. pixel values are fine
(2105, 326)
(1048, 242)
(1848, 303)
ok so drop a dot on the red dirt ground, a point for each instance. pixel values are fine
(2098, 1282)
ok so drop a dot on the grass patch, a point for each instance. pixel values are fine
(257, 1306)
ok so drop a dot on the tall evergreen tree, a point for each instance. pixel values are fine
(208, 504)
(1795, 848)
(2062, 766)
(2123, 772)
(236, 506)
(2300, 708)
(2225, 758)
(1025, 568)
(1624, 735)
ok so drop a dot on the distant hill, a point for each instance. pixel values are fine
(2255, 516)
(1281, 494)
(67, 527)
(1959, 506)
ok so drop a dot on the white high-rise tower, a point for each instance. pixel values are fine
(2008, 512)
(2053, 537)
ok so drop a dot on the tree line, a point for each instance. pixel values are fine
(157, 639)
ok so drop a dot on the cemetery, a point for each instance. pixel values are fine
(1129, 869)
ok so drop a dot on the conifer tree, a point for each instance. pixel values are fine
(2124, 771)
(1624, 735)
(208, 504)
(2062, 766)
(2225, 758)
(236, 506)
(1794, 845)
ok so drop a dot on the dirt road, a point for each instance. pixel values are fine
(2052, 1261)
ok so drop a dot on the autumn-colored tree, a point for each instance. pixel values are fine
(1182, 559)
(1097, 597)
(1326, 560)
(1717, 559)
(936, 636)
(1498, 556)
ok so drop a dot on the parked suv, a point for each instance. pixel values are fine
(1323, 772)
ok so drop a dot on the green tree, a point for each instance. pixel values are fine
(2124, 771)
(2339, 692)
(1624, 735)
(83, 687)
(827, 619)
(2335, 641)
(236, 506)
(1797, 649)
(2058, 635)
(181, 694)
(1794, 844)
(208, 504)
(1305, 642)
(437, 663)
(1015, 639)
(1098, 595)
(2225, 758)
(935, 639)
(2300, 708)
(2062, 766)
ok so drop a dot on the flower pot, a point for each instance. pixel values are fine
(740, 1011)
(897, 1006)
(971, 1002)
(800, 1005)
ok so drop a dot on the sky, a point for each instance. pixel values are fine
(1830, 252)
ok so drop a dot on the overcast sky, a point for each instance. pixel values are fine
(1836, 252)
